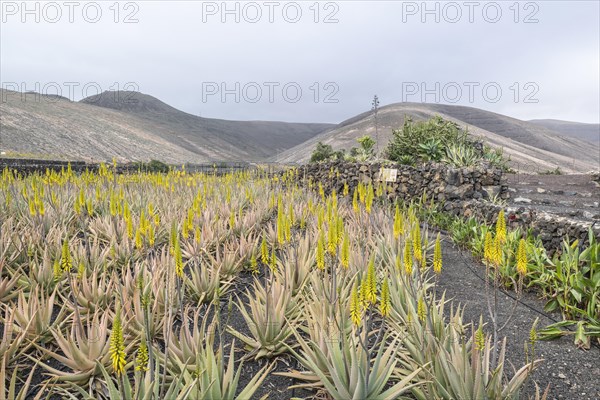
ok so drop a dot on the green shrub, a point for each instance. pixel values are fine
(324, 152)
(424, 139)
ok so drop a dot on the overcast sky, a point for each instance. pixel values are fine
(308, 61)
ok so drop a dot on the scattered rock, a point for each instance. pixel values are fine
(522, 200)
(540, 190)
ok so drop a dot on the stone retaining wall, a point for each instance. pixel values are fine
(437, 181)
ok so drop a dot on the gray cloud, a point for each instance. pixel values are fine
(177, 50)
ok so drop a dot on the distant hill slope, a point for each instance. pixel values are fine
(578, 130)
(531, 147)
(135, 126)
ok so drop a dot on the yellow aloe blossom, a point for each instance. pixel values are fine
(370, 196)
(56, 270)
(66, 261)
(345, 252)
(437, 256)
(264, 251)
(416, 241)
(138, 238)
(501, 227)
(384, 303)
(371, 291)
(421, 309)
(80, 270)
(332, 238)
(320, 257)
(364, 293)
(117, 345)
(273, 264)
(398, 223)
(178, 257)
(355, 306)
(479, 339)
(346, 190)
(497, 251)
(253, 264)
(355, 201)
(408, 261)
(488, 248)
(522, 258)
(141, 359)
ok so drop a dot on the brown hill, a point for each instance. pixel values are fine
(135, 126)
(532, 148)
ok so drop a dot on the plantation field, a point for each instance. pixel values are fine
(249, 286)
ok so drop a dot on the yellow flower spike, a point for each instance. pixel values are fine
(355, 201)
(479, 338)
(197, 235)
(253, 264)
(488, 248)
(371, 282)
(364, 293)
(421, 309)
(280, 224)
(332, 239)
(66, 262)
(355, 305)
(320, 256)
(501, 227)
(497, 251)
(384, 303)
(408, 259)
(80, 270)
(522, 258)
(231, 220)
(178, 257)
(129, 227)
(346, 190)
(138, 238)
(416, 240)
(437, 256)
(32, 210)
(370, 196)
(264, 251)
(89, 207)
(117, 344)
(398, 223)
(345, 253)
(56, 270)
(273, 264)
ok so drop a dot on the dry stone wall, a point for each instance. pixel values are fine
(437, 181)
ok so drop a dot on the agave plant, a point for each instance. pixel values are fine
(461, 155)
(34, 315)
(82, 350)
(271, 315)
(348, 370)
(206, 282)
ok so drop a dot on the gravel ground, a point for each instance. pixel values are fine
(573, 196)
(570, 372)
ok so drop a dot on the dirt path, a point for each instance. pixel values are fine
(571, 373)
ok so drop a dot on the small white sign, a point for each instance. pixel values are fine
(388, 174)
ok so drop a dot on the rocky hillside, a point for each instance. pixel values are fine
(578, 130)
